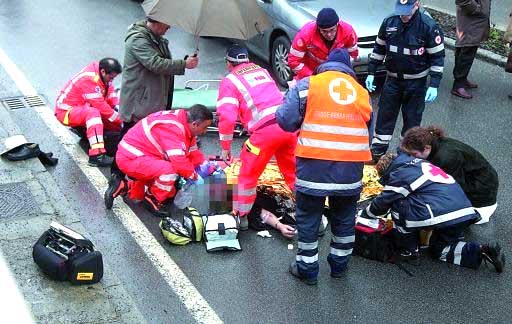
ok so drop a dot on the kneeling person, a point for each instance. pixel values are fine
(422, 196)
(156, 151)
(89, 100)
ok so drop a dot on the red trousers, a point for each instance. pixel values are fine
(90, 118)
(256, 153)
(157, 174)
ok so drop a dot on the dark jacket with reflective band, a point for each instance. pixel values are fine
(469, 168)
(411, 50)
(421, 195)
(318, 177)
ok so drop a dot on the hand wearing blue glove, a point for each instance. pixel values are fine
(431, 94)
(369, 83)
(206, 168)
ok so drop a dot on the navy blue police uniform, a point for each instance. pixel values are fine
(411, 52)
(420, 196)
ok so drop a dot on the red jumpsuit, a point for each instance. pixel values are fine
(309, 50)
(157, 150)
(248, 92)
(86, 102)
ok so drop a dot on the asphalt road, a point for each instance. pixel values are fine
(52, 40)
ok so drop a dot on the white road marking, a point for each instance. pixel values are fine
(170, 271)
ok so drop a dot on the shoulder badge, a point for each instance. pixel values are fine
(438, 39)
(300, 42)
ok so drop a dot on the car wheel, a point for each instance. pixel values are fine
(279, 60)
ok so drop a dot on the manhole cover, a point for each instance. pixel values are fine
(16, 200)
(23, 102)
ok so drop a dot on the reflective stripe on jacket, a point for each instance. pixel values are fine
(319, 177)
(421, 195)
(309, 50)
(248, 92)
(164, 134)
(334, 127)
(413, 50)
(87, 88)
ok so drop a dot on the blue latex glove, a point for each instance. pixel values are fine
(206, 168)
(369, 83)
(431, 94)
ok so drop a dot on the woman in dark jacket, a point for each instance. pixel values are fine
(471, 170)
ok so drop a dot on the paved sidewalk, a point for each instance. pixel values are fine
(29, 201)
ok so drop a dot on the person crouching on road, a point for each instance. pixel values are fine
(317, 39)
(248, 92)
(333, 112)
(467, 166)
(155, 152)
(89, 100)
(422, 196)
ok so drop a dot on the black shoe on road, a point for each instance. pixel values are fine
(157, 208)
(100, 160)
(117, 186)
(493, 255)
(295, 272)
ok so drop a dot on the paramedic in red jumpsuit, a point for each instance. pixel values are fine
(89, 100)
(158, 150)
(317, 39)
(249, 93)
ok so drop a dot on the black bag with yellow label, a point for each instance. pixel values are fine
(66, 255)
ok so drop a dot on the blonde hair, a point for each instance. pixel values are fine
(384, 163)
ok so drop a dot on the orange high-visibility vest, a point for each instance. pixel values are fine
(334, 126)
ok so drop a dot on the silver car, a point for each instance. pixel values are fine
(288, 16)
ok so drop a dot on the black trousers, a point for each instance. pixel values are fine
(114, 169)
(464, 57)
(397, 95)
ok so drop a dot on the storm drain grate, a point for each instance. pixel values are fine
(17, 200)
(23, 102)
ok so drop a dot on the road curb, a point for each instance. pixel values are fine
(48, 300)
(482, 54)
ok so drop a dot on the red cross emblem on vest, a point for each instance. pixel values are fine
(342, 91)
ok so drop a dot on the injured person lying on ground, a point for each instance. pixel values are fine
(421, 196)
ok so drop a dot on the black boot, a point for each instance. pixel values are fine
(100, 160)
(295, 272)
(117, 186)
(156, 207)
(493, 255)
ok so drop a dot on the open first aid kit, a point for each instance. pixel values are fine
(66, 255)
(373, 239)
(221, 232)
(178, 232)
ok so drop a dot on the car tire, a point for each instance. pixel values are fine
(279, 60)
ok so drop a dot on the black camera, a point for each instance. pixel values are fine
(64, 254)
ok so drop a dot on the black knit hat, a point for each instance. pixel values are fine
(327, 17)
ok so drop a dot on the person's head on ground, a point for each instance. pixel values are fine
(198, 119)
(406, 9)
(236, 55)
(157, 27)
(418, 141)
(327, 23)
(340, 55)
(109, 68)
(384, 163)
